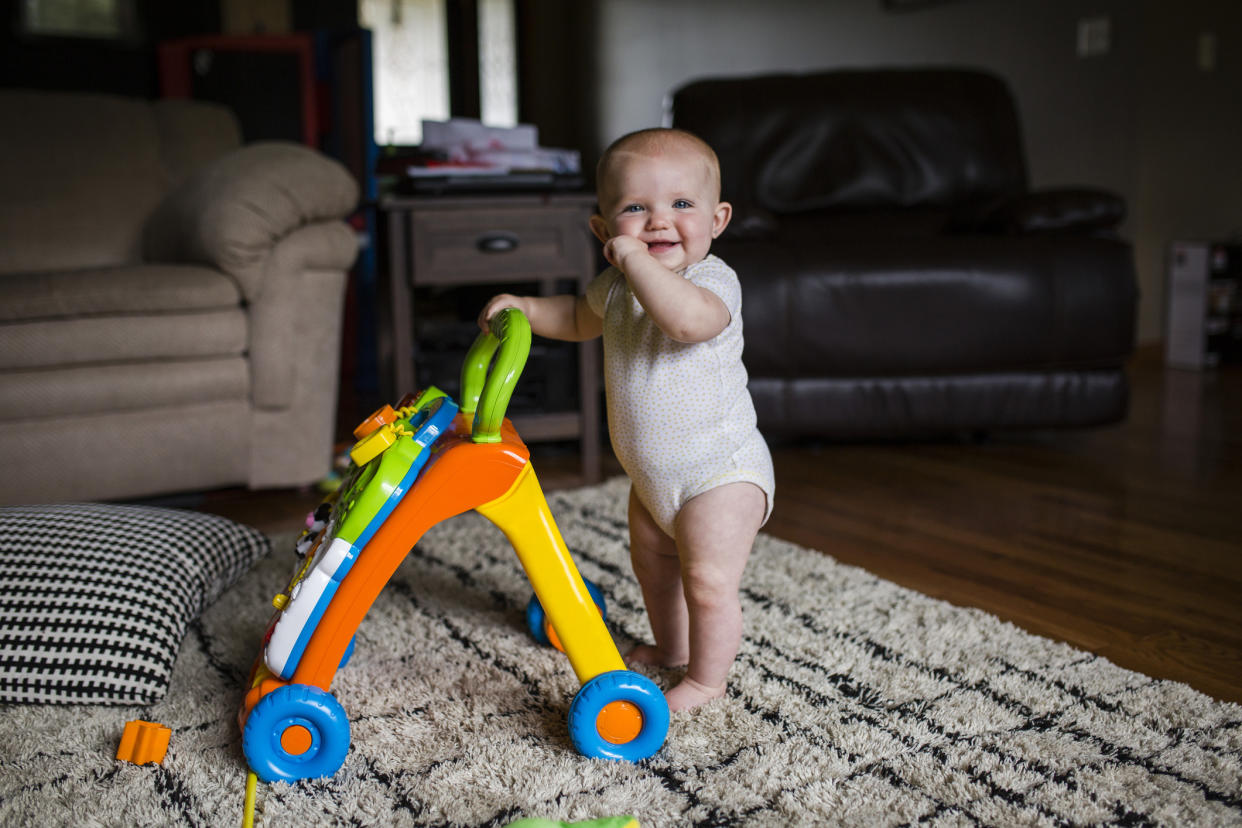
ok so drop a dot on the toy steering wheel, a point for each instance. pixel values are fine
(486, 393)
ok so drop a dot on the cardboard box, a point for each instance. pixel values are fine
(1204, 303)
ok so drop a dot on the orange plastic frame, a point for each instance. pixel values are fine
(497, 480)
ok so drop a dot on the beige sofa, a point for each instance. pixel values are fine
(170, 300)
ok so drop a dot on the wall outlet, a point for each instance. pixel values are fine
(1095, 36)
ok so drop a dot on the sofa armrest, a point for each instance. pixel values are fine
(233, 212)
(318, 254)
(1056, 211)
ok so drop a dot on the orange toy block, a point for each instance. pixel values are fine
(143, 742)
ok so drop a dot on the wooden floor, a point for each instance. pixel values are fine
(1125, 541)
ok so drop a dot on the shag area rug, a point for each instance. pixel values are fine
(853, 702)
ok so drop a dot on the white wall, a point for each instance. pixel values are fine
(1142, 120)
(1188, 171)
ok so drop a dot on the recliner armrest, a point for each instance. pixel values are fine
(232, 213)
(751, 224)
(1078, 210)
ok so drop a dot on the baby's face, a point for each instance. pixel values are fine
(669, 200)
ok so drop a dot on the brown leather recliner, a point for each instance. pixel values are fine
(899, 277)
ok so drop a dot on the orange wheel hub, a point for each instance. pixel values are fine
(619, 722)
(296, 740)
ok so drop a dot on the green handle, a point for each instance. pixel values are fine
(486, 393)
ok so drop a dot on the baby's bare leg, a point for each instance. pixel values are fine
(715, 533)
(654, 557)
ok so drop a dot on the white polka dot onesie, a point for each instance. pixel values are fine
(679, 415)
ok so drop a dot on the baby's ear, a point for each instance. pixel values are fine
(600, 228)
(720, 219)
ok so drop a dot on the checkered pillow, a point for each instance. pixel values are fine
(95, 598)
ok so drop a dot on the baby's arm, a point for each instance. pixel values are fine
(556, 317)
(682, 309)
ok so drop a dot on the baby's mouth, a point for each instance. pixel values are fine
(661, 246)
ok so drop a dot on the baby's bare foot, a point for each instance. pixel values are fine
(653, 656)
(690, 694)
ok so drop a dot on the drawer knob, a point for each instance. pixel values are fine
(500, 242)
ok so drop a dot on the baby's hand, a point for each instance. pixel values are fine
(498, 303)
(619, 248)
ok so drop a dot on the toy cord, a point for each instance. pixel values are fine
(252, 782)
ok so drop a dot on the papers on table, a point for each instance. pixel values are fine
(465, 147)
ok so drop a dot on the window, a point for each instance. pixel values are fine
(79, 18)
(410, 65)
(497, 63)
(413, 53)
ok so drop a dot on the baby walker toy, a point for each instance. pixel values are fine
(412, 467)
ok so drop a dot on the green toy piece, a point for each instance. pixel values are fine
(489, 393)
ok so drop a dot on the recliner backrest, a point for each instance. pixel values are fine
(850, 139)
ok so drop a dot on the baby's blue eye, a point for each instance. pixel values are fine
(682, 204)
(632, 208)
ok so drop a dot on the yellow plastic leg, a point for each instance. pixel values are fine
(522, 514)
(252, 782)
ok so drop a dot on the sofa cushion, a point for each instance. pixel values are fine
(138, 453)
(95, 599)
(80, 167)
(99, 339)
(77, 390)
(102, 315)
(91, 168)
(192, 134)
(125, 289)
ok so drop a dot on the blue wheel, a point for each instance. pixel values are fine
(618, 715)
(537, 620)
(295, 732)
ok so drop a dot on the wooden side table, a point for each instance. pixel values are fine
(496, 239)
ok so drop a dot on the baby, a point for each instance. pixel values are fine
(681, 420)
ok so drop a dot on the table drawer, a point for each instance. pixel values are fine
(473, 246)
